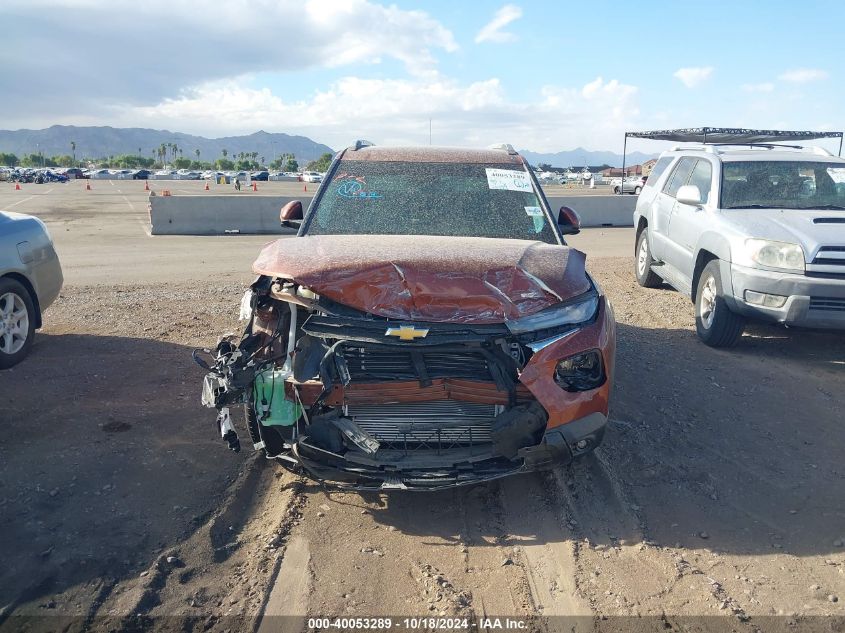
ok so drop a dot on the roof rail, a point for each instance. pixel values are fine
(503, 146)
(710, 149)
(359, 144)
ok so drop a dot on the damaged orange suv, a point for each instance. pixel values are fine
(428, 327)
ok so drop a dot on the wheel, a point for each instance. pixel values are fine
(715, 323)
(637, 190)
(17, 322)
(646, 277)
(616, 190)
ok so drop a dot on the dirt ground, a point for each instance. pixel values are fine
(718, 489)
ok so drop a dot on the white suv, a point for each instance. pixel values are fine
(756, 232)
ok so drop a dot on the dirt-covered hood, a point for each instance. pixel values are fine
(430, 278)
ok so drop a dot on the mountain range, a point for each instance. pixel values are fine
(102, 141)
(98, 142)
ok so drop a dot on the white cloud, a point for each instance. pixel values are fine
(693, 76)
(492, 31)
(473, 114)
(141, 52)
(803, 75)
(761, 87)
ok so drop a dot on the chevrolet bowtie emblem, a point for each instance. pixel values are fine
(407, 332)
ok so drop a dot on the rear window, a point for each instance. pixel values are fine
(658, 169)
(418, 198)
(679, 177)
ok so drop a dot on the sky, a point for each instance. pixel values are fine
(544, 76)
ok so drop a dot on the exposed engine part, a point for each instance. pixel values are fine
(227, 430)
(357, 435)
(308, 353)
(323, 432)
(518, 427)
(267, 340)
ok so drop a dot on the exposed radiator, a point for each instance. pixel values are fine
(438, 424)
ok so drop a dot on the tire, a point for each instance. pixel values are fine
(616, 190)
(716, 324)
(646, 277)
(637, 190)
(17, 322)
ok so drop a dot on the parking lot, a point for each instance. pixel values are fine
(718, 489)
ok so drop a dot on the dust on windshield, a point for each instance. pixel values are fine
(427, 198)
(783, 184)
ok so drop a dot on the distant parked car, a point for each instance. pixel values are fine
(30, 280)
(260, 175)
(75, 173)
(312, 176)
(630, 185)
(142, 174)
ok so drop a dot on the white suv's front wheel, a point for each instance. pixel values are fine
(646, 277)
(715, 323)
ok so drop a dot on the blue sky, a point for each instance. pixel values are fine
(545, 76)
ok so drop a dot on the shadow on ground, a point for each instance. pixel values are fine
(106, 457)
(735, 450)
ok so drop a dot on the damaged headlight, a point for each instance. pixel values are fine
(563, 314)
(580, 372)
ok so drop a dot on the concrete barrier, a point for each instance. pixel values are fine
(599, 210)
(218, 215)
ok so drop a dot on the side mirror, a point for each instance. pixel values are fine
(568, 221)
(689, 194)
(291, 214)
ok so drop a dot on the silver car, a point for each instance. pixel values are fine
(746, 233)
(30, 280)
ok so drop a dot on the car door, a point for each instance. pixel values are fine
(663, 205)
(687, 222)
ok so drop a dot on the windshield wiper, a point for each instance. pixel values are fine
(828, 207)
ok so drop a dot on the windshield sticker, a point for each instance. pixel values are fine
(837, 174)
(536, 215)
(354, 189)
(508, 180)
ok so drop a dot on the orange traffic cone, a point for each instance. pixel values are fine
(146, 185)
(255, 186)
(17, 186)
(206, 185)
(87, 185)
(305, 187)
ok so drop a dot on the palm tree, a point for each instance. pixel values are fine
(225, 152)
(73, 150)
(197, 152)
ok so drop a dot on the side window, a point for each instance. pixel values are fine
(679, 177)
(700, 177)
(659, 167)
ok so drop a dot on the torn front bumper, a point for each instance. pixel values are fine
(558, 447)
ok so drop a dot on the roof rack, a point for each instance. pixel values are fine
(360, 144)
(503, 146)
(709, 136)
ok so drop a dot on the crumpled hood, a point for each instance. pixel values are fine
(430, 278)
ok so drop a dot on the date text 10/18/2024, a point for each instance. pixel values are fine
(421, 623)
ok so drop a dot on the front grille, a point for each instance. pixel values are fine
(827, 304)
(436, 425)
(829, 262)
(369, 363)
